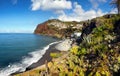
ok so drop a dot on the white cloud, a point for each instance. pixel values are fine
(56, 5)
(59, 12)
(95, 3)
(114, 11)
(14, 2)
(79, 14)
(102, 0)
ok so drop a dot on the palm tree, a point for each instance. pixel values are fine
(117, 4)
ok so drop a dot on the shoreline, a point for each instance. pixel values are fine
(54, 48)
(42, 60)
(58, 47)
(45, 57)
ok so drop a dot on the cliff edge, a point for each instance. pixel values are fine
(57, 28)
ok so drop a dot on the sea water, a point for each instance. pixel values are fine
(18, 51)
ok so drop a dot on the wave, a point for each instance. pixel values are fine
(25, 62)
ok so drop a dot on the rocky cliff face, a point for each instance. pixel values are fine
(43, 29)
(57, 28)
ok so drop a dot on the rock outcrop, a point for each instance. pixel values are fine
(44, 29)
(57, 28)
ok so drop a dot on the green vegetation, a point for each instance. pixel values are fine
(97, 55)
(55, 55)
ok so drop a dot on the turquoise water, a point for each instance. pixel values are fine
(17, 50)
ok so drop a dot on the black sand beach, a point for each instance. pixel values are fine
(45, 57)
(41, 61)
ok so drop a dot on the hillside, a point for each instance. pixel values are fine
(57, 28)
(98, 53)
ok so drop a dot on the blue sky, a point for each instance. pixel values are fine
(22, 16)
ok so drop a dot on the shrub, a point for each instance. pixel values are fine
(55, 55)
(82, 51)
(74, 50)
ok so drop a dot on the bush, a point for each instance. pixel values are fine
(74, 50)
(82, 51)
(55, 55)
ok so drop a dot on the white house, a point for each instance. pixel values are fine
(78, 34)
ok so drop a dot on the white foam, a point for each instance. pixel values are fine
(34, 57)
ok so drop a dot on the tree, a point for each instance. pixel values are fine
(117, 4)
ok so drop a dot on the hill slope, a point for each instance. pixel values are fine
(98, 53)
(57, 28)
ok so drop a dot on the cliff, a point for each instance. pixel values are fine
(57, 28)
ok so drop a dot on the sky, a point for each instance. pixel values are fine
(23, 16)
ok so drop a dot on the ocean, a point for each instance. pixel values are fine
(18, 51)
